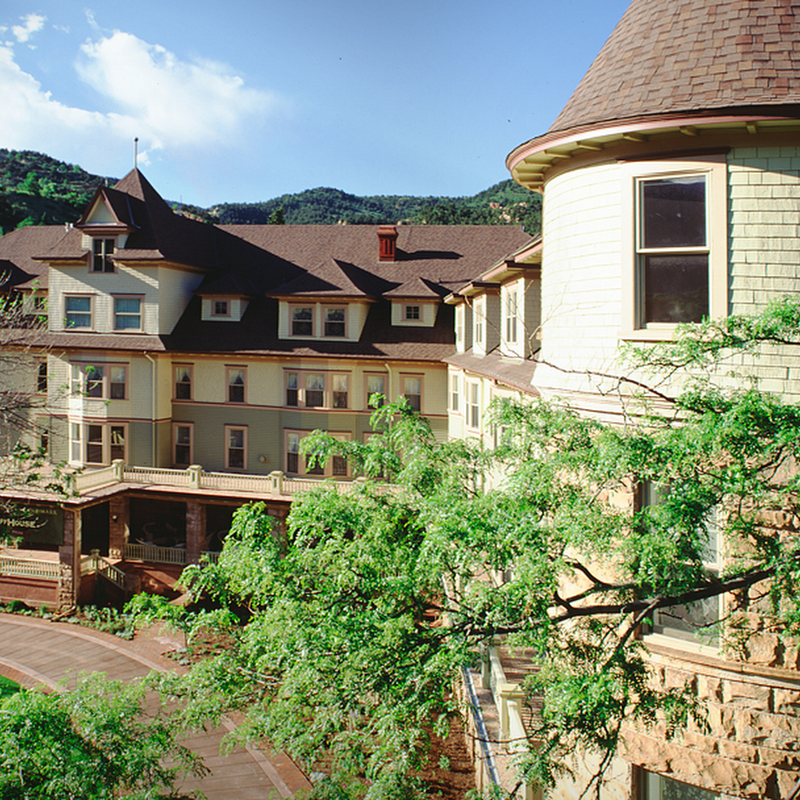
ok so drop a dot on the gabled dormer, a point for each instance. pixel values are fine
(329, 302)
(415, 303)
(225, 299)
(105, 227)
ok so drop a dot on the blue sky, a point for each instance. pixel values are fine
(250, 99)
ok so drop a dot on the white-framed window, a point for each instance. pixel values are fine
(298, 463)
(313, 389)
(235, 447)
(479, 322)
(335, 318)
(473, 404)
(412, 390)
(302, 320)
(461, 326)
(100, 381)
(98, 442)
(412, 313)
(511, 311)
(374, 383)
(78, 311)
(127, 313)
(676, 245)
(455, 380)
(183, 382)
(237, 383)
(699, 621)
(220, 308)
(182, 444)
(102, 249)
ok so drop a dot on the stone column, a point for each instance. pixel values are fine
(69, 557)
(195, 530)
(119, 525)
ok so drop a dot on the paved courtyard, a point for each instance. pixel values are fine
(34, 652)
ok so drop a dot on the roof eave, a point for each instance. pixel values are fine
(529, 163)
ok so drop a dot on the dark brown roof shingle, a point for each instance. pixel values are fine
(692, 56)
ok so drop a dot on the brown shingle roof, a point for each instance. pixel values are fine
(20, 248)
(692, 56)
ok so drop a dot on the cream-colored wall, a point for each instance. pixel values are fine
(582, 292)
(581, 268)
(427, 312)
(236, 308)
(266, 384)
(165, 292)
(175, 288)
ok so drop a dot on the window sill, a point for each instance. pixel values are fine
(661, 333)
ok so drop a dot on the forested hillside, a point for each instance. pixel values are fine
(37, 190)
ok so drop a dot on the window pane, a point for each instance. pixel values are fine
(340, 391)
(117, 387)
(334, 322)
(375, 384)
(675, 288)
(292, 393)
(127, 313)
(78, 312)
(183, 442)
(674, 212)
(339, 466)
(94, 381)
(236, 386)
(302, 322)
(117, 442)
(94, 444)
(183, 383)
(315, 391)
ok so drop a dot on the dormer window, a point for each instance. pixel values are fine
(101, 250)
(302, 321)
(412, 312)
(335, 321)
(220, 308)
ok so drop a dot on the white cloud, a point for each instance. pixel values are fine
(180, 108)
(174, 102)
(33, 24)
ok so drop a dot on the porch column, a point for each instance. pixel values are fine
(119, 525)
(195, 530)
(69, 557)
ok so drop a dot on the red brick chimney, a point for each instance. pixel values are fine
(387, 241)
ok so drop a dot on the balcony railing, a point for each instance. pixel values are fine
(28, 567)
(276, 484)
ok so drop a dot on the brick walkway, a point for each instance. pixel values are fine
(33, 651)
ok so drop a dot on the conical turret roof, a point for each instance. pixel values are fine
(691, 56)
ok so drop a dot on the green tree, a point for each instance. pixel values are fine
(354, 625)
(98, 741)
(276, 217)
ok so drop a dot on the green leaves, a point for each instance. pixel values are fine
(89, 743)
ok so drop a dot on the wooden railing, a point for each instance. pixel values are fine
(276, 484)
(153, 554)
(29, 567)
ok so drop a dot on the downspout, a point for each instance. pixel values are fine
(153, 408)
(389, 397)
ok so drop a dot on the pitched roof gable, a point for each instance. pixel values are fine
(416, 289)
(331, 279)
(691, 56)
